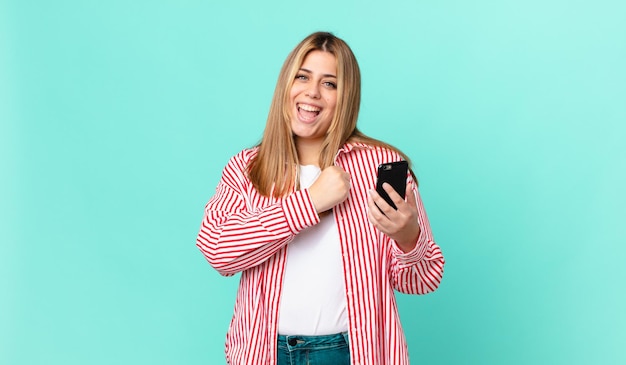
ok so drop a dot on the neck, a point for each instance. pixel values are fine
(308, 151)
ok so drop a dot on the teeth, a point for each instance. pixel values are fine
(309, 108)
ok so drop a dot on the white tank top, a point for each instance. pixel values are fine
(313, 299)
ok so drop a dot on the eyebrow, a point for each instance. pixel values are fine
(325, 75)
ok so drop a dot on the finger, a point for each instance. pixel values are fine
(379, 207)
(372, 212)
(393, 194)
(410, 196)
(348, 179)
(377, 218)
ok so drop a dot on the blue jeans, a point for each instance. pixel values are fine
(314, 350)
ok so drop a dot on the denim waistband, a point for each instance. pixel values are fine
(298, 341)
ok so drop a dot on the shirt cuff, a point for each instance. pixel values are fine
(300, 211)
(406, 259)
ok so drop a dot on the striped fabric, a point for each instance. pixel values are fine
(248, 233)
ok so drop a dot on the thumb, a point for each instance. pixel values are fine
(410, 196)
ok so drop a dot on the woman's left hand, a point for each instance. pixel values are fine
(400, 225)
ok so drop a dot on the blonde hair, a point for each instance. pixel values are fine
(273, 170)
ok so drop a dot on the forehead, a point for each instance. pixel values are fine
(320, 62)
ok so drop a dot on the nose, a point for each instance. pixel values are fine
(313, 91)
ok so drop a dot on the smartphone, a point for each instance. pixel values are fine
(393, 173)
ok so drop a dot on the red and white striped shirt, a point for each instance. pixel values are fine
(245, 232)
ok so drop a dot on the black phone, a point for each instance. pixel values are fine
(393, 173)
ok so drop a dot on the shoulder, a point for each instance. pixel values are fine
(243, 158)
(236, 170)
(370, 152)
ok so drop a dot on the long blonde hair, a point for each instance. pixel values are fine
(273, 170)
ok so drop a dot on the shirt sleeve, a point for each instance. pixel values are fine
(234, 237)
(420, 270)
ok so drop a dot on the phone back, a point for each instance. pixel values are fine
(393, 173)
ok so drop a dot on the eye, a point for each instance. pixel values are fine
(330, 85)
(301, 77)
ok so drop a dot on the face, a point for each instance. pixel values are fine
(313, 97)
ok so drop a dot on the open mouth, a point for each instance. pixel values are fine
(308, 112)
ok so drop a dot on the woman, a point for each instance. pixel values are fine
(319, 251)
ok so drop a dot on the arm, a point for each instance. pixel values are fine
(233, 237)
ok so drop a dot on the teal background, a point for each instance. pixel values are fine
(117, 118)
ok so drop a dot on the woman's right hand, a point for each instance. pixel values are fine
(330, 188)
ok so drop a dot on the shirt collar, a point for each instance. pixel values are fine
(349, 146)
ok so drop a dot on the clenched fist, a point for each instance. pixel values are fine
(330, 188)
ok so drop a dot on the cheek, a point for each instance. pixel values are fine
(294, 92)
(331, 100)
(331, 103)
